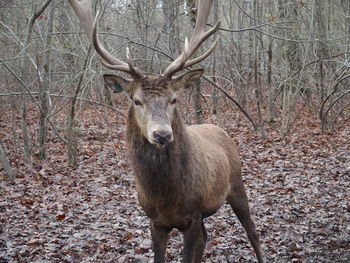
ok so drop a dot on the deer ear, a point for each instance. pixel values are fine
(187, 79)
(117, 84)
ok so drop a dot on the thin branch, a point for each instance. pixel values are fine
(40, 10)
(255, 28)
(324, 59)
(32, 97)
(233, 100)
(335, 101)
(31, 21)
(18, 42)
(3, 5)
(336, 117)
(6, 163)
(68, 97)
(334, 89)
(21, 82)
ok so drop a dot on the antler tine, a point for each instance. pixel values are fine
(198, 37)
(201, 57)
(121, 65)
(130, 68)
(82, 9)
(135, 71)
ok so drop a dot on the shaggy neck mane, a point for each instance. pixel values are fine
(160, 170)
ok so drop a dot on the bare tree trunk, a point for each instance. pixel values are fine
(257, 57)
(269, 83)
(71, 131)
(271, 104)
(197, 101)
(196, 88)
(45, 89)
(24, 66)
(346, 6)
(26, 138)
(242, 90)
(171, 12)
(322, 50)
(6, 163)
(145, 11)
(215, 94)
(288, 10)
(13, 122)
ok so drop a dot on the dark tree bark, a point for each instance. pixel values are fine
(45, 88)
(71, 131)
(322, 49)
(27, 149)
(6, 163)
(196, 88)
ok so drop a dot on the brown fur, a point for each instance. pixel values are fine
(192, 172)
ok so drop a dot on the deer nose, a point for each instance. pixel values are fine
(162, 137)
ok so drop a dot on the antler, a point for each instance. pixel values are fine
(83, 10)
(198, 37)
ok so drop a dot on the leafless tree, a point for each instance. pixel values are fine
(274, 60)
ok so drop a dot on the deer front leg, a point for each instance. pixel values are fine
(160, 239)
(195, 238)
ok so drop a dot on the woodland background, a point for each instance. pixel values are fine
(278, 82)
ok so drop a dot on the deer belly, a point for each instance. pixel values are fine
(211, 203)
(217, 182)
(170, 216)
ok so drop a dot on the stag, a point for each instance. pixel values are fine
(183, 173)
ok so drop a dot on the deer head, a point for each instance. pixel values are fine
(153, 97)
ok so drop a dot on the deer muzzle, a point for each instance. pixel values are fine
(162, 137)
(160, 134)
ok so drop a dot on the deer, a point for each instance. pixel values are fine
(183, 174)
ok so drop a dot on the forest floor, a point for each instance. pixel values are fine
(298, 188)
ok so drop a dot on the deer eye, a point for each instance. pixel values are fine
(173, 101)
(137, 102)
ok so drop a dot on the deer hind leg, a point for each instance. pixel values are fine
(160, 240)
(195, 239)
(239, 202)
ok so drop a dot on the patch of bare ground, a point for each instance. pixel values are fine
(298, 188)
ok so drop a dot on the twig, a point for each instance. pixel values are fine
(69, 97)
(33, 98)
(5, 161)
(234, 101)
